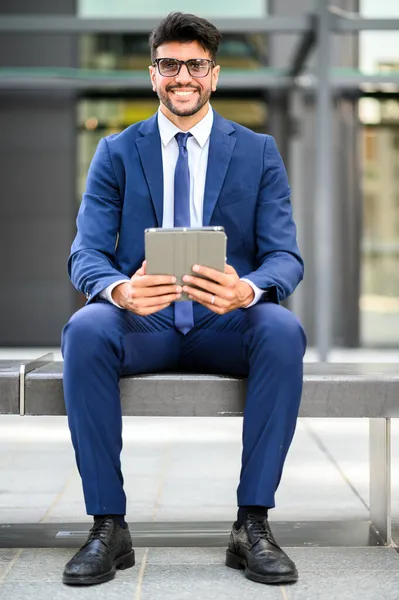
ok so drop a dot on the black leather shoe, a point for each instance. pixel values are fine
(253, 548)
(108, 547)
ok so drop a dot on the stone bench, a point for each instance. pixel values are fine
(330, 390)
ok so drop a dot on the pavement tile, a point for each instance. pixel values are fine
(196, 581)
(196, 512)
(221, 461)
(186, 556)
(312, 488)
(142, 488)
(123, 587)
(347, 441)
(351, 559)
(37, 565)
(203, 492)
(75, 512)
(345, 573)
(68, 511)
(345, 585)
(22, 514)
(6, 557)
(30, 500)
(37, 480)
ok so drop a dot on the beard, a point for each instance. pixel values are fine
(203, 98)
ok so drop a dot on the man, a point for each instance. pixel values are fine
(187, 166)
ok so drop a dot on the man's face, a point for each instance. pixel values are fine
(184, 95)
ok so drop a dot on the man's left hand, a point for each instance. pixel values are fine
(224, 293)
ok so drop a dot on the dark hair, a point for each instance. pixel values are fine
(184, 27)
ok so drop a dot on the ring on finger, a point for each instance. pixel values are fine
(213, 300)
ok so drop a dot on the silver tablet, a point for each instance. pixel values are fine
(175, 251)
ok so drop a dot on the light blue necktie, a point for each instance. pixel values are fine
(184, 318)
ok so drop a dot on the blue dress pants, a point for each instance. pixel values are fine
(101, 342)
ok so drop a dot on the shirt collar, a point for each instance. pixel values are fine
(201, 131)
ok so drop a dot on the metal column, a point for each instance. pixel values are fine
(380, 477)
(324, 216)
(296, 170)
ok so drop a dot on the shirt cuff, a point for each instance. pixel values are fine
(257, 291)
(106, 293)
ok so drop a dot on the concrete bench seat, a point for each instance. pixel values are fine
(9, 386)
(330, 390)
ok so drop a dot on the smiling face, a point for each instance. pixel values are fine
(183, 95)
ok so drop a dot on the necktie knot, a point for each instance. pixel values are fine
(181, 139)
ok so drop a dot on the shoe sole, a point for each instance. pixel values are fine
(122, 562)
(234, 561)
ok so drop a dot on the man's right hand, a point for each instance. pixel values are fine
(146, 294)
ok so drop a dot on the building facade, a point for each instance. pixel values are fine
(49, 135)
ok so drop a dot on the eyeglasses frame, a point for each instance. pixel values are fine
(211, 65)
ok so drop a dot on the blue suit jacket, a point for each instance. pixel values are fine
(246, 192)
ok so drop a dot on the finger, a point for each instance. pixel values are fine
(213, 288)
(229, 270)
(154, 301)
(217, 276)
(206, 298)
(202, 283)
(149, 292)
(154, 280)
(144, 267)
(213, 307)
(150, 310)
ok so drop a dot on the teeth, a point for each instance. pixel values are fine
(183, 93)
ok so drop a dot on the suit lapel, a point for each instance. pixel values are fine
(221, 146)
(149, 149)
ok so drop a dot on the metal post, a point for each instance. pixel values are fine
(26, 368)
(296, 167)
(324, 197)
(380, 477)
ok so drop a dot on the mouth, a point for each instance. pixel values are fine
(184, 94)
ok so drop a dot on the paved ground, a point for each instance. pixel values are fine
(187, 469)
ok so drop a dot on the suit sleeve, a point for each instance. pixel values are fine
(91, 264)
(280, 263)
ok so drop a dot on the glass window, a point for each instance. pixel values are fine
(379, 302)
(100, 117)
(131, 51)
(378, 50)
(156, 8)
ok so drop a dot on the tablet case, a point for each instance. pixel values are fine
(175, 251)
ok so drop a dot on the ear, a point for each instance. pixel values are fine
(152, 71)
(215, 77)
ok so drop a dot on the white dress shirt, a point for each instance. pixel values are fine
(198, 149)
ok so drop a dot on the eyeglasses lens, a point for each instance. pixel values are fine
(197, 68)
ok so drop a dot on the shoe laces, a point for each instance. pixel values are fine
(100, 530)
(260, 529)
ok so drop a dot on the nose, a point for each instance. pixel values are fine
(184, 76)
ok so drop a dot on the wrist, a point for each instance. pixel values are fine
(246, 294)
(119, 293)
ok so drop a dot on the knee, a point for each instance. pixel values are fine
(87, 329)
(281, 332)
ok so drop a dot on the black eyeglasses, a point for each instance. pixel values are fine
(170, 67)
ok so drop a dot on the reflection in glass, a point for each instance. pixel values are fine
(100, 117)
(159, 8)
(131, 51)
(379, 302)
